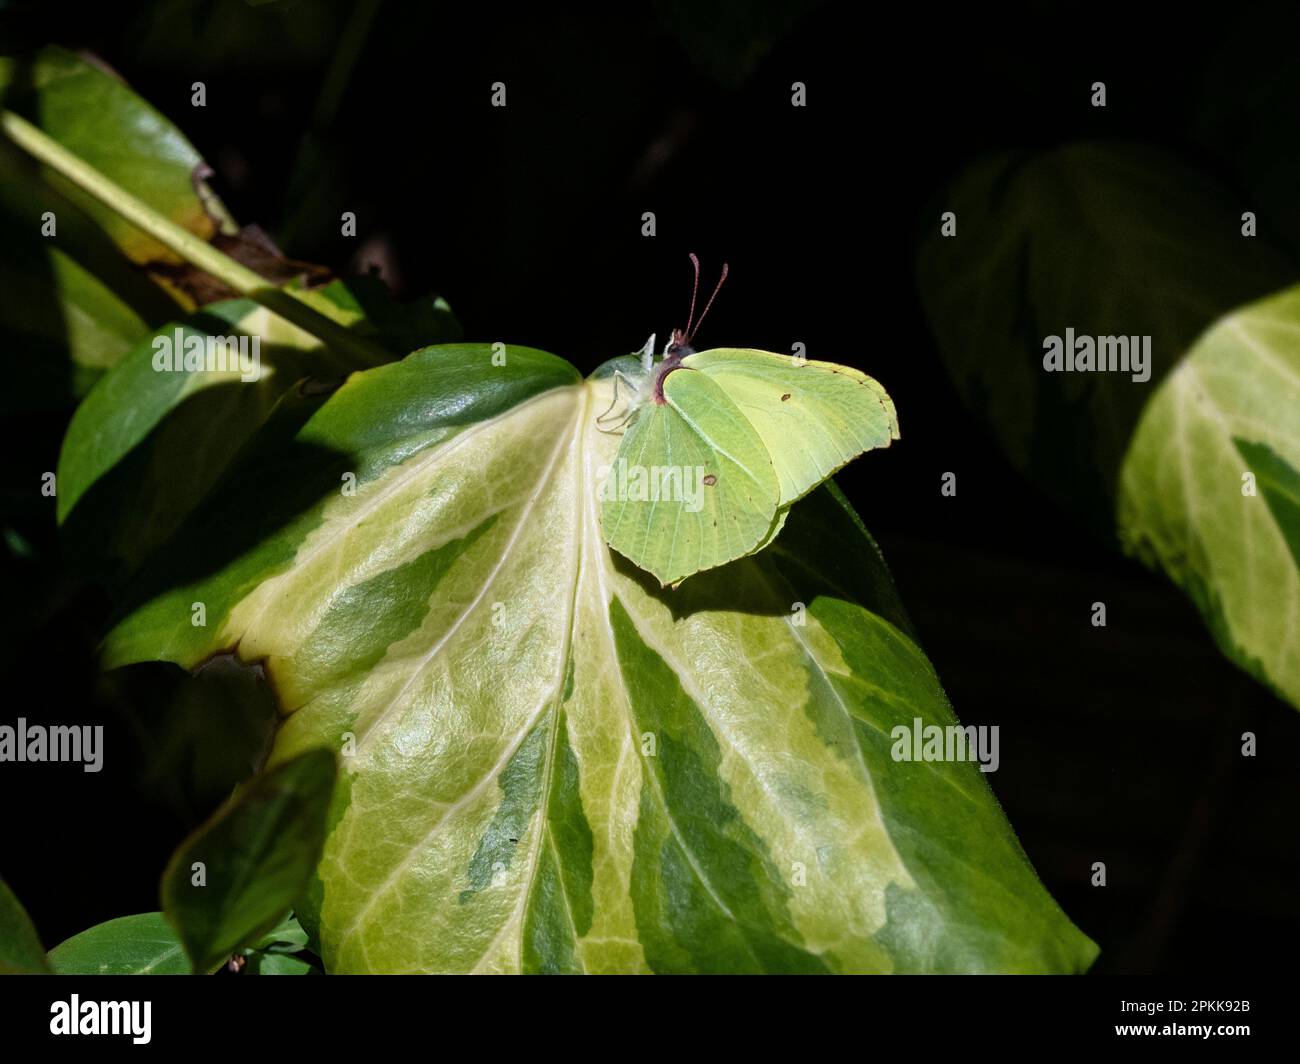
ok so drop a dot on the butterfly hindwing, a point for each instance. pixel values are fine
(693, 486)
(812, 418)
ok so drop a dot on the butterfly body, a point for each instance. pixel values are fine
(672, 360)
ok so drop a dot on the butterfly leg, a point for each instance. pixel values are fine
(618, 376)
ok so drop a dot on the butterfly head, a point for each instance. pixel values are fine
(647, 383)
(679, 345)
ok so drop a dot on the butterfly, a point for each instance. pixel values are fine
(718, 444)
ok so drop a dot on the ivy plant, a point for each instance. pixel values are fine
(504, 746)
(1190, 463)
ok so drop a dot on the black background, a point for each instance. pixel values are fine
(1119, 744)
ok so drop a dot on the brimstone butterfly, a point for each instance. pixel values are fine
(718, 444)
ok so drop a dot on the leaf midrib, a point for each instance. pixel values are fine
(543, 482)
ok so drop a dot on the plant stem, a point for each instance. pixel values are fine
(196, 252)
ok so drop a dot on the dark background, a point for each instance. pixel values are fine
(1119, 744)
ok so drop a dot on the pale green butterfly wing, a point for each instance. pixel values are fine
(813, 418)
(692, 486)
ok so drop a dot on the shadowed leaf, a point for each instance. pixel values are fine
(236, 877)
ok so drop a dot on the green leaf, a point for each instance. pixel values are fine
(129, 142)
(147, 445)
(260, 963)
(273, 953)
(147, 945)
(65, 322)
(550, 762)
(286, 937)
(1187, 505)
(235, 878)
(74, 306)
(1107, 240)
(130, 945)
(21, 951)
(400, 327)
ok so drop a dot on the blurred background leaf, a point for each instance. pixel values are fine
(729, 38)
(1227, 413)
(21, 951)
(198, 735)
(1126, 240)
(1106, 239)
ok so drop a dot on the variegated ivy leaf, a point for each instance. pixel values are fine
(1210, 488)
(549, 762)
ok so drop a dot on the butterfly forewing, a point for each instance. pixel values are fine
(692, 486)
(812, 418)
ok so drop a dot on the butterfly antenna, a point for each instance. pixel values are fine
(694, 290)
(690, 334)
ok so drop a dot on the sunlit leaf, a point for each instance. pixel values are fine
(549, 762)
